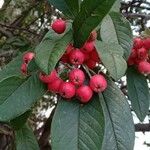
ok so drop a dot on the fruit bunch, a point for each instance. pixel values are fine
(140, 55)
(77, 83)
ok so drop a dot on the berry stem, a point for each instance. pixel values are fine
(87, 70)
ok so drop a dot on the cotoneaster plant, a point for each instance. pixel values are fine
(80, 61)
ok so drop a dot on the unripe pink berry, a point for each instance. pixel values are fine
(76, 57)
(98, 83)
(144, 67)
(67, 90)
(84, 93)
(77, 77)
(48, 78)
(55, 85)
(59, 26)
(27, 57)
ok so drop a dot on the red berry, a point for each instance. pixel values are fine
(59, 26)
(76, 57)
(27, 57)
(24, 68)
(144, 67)
(130, 61)
(138, 43)
(48, 78)
(77, 77)
(88, 47)
(94, 56)
(142, 53)
(65, 58)
(98, 83)
(147, 43)
(67, 90)
(91, 63)
(55, 85)
(84, 93)
(86, 56)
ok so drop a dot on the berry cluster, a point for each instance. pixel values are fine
(27, 57)
(140, 55)
(77, 84)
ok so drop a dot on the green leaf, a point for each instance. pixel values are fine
(91, 14)
(12, 69)
(116, 29)
(17, 101)
(8, 86)
(111, 56)
(119, 126)
(70, 8)
(78, 127)
(138, 93)
(25, 139)
(20, 121)
(116, 6)
(51, 49)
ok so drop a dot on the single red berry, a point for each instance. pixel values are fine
(84, 93)
(77, 77)
(49, 78)
(88, 47)
(144, 67)
(130, 61)
(86, 56)
(94, 55)
(27, 57)
(59, 26)
(98, 83)
(142, 53)
(55, 85)
(147, 43)
(76, 57)
(67, 90)
(138, 43)
(93, 36)
(90, 63)
(24, 68)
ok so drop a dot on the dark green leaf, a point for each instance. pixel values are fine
(51, 49)
(78, 127)
(119, 128)
(20, 121)
(138, 92)
(21, 99)
(111, 56)
(32, 66)
(116, 29)
(25, 139)
(91, 14)
(12, 69)
(8, 86)
(69, 7)
(116, 6)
